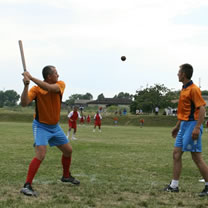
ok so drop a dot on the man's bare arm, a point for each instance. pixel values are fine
(196, 131)
(44, 85)
(25, 101)
(176, 129)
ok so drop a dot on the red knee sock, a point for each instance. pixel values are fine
(66, 162)
(33, 168)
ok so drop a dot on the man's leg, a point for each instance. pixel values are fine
(66, 163)
(33, 169)
(177, 163)
(66, 158)
(35, 163)
(177, 166)
(73, 135)
(68, 132)
(200, 163)
(94, 127)
(203, 168)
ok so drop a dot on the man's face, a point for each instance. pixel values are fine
(53, 77)
(181, 75)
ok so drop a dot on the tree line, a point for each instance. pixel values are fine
(146, 99)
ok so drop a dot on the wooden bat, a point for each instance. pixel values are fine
(22, 55)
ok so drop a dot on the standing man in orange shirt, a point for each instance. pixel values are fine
(46, 130)
(188, 129)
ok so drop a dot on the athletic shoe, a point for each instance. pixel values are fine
(71, 180)
(73, 138)
(204, 192)
(202, 180)
(93, 130)
(28, 191)
(170, 189)
(100, 131)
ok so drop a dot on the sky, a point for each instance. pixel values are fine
(84, 40)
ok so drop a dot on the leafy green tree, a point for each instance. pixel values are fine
(74, 97)
(1, 99)
(87, 96)
(150, 97)
(100, 97)
(8, 98)
(204, 92)
(124, 95)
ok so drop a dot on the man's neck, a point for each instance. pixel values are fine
(185, 82)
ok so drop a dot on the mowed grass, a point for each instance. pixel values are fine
(119, 167)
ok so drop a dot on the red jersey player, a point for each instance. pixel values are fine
(73, 116)
(88, 119)
(97, 121)
(82, 119)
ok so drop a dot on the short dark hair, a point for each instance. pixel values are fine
(47, 70)
(187, 69)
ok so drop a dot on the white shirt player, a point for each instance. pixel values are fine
(99, 116)
(71, 114)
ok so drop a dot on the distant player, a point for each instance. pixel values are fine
(97, 121)
(82, 120)
(141, 121)
(88, 119)
(115, 120)
(156, 110)
(73, 116)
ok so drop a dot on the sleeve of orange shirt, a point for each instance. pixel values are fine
(197, 98)
(61, 85)
(32, 93)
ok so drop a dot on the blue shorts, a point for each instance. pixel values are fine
(184, 138)
(45, 134)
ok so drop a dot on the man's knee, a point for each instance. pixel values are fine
(66, 149)
(40, 152)
(177, 153)
(40, 155)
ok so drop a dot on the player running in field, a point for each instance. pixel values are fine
(46, 130)
(97, 121)
(188, 129)
(73, 116)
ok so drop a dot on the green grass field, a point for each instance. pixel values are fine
(122, 166)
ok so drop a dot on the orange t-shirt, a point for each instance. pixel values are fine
(141, 120)
(48, 104)
(189, 102)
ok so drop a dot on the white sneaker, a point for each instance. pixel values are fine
(202, 180)
(73, 138)
(93, 130)
(100, 131)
